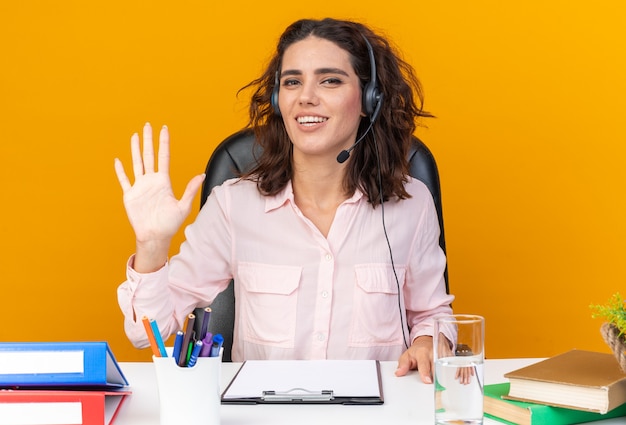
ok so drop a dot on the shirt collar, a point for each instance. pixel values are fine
(280, 199)
(286, 195)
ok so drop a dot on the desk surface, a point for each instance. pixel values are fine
(407, 401)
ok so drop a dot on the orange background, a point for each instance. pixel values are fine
(529, 137)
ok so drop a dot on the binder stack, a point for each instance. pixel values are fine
(44, 383)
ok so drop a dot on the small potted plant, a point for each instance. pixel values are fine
(614, 328)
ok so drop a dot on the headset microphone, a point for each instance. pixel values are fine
(345, 154)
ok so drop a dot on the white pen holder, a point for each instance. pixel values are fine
(189, 395)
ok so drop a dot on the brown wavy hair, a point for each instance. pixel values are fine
(391, 133)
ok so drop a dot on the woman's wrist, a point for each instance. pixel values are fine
(151, 256)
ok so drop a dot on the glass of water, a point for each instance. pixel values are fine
(458, 355)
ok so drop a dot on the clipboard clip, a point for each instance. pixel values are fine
(298, 394)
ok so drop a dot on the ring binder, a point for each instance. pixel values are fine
(298, 394)
(48, 364)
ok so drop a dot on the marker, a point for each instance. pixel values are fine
(157, 337)
(151, 339)
(194, 354)
(205, 322)
(189, 351)
(218, 340)
(178, 344)
(207, 343)
(191, 320)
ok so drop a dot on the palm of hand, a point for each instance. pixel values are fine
(153, 211)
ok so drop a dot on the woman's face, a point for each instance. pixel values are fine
(319, 98)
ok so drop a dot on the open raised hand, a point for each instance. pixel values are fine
(153, 211)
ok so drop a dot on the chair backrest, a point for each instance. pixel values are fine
(236, 154)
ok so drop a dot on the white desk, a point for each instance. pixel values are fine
(407, 401)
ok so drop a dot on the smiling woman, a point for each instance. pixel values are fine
(314, 290)
(351, 50)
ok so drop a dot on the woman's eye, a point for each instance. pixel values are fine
(290, 82)
(332, 81)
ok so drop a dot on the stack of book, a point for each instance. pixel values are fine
(45, 383)
(574, 387)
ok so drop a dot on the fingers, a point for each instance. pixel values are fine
(421, 363)
(164, 150)
(464, 375)
(403, 366)
(190, 192)
(148, 149)
(121, 175)
(135, 151)
(406, 362)
(426, 373)
(144, 163)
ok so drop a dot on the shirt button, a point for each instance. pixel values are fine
(328, 257)
(324, 294)
(321, 337)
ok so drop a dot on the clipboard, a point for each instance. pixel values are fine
(349, 382)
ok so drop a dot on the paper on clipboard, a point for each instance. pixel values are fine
(302, 381)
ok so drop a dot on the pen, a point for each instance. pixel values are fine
(151, 339)
(189, 350)
(194, 354)
(205, 322)
(207, 343)
(178, 344)
(218, 340)
(191, 320)
(157, 337)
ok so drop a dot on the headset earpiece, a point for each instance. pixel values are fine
(371, 96)
(274, 97)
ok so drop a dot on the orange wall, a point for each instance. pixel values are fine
(529, 138)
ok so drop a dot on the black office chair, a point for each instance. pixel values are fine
(236, 154)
